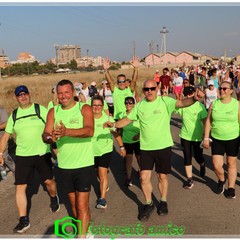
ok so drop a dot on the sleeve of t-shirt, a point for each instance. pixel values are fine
(105, 106)
(43, 112)
(171, 104)
(9, 126)
(204, 112)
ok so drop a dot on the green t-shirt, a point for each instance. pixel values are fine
(154, 119)
(192, 125)
(130, 130)
(73, 152)
(225, 124)
(28, 132)
(102, 139)
(118, 99)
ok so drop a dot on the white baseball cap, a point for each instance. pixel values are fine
(93, 84)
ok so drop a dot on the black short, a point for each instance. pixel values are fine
(25, 167)
(79, 179)
(132, 148)
(103, 161)
(161, 158)
(230, 147)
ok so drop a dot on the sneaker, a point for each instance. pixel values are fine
(202, 170)
(230, 193)
(101, 203)
(163, 209)
(146, 213)
(188, 184)
(220, 187)
(22, 226)
(54, 206)
(128, 183)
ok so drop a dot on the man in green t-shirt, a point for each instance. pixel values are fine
(71, 126)
(153, 114)
(31, 153)
(120, 92)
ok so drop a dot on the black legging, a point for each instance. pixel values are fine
(187, 152)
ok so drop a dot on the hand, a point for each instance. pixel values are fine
(123, 152)
(135, 62)
(59, 131)
(198, 94)
(106, 64)
(206, 143)
(108, 125)
(165, 91)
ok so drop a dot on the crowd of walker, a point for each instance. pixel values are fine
(79, 125)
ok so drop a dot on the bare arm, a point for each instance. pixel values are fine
(120, 143)
(48, 136)
(207, 128)
(135, 64)
(119, 124)
(106, 65)
(3, 144)
(81, 98)
(3, 125)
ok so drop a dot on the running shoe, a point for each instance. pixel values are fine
(230, 193)
(220, 187)
(163, 209)
(202, 170)
(188, 184)
(101, 203)
(128, 183)
(146, 213)
(54, 205)
(22, 226)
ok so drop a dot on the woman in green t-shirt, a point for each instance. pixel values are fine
(103, 147)
(223, 122)
(130, 137)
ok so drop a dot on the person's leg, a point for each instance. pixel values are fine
(163, 185)
(198, 155)
(72, 200)
(103, 177)
(129, 161)
(83, 211)
(21, 199)
(218, 166)
(232, 171)
(187, 153)
(146, 185)
(51, 187)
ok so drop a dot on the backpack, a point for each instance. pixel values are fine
(92, 91)
(37, 113)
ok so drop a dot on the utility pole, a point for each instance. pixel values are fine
(157, 48)
(164, 44)
(87, 56)
(151, 45)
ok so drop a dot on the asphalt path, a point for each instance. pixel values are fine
(196, 212)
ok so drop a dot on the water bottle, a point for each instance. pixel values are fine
(3, 172)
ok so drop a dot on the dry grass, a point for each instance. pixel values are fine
(40, 86)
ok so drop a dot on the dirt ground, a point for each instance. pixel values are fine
(197, 212)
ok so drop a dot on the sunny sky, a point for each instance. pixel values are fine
(109, 30)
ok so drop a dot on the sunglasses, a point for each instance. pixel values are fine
(121, 81)
(22, 94)
(146, 89)
(130, 103)
(223, 88)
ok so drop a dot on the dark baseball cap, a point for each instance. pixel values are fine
(21, 88)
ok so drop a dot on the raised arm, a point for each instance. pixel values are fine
(135, 63)
(106, 65)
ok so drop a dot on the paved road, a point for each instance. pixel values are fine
(196, 212)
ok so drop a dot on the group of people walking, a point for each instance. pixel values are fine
(81, 133)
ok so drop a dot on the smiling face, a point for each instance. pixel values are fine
(66, 95)
(225, 90)
(23, 99)
(150, 90)
(97, 107)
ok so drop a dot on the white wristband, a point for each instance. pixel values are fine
(122, 148)
(49, 137)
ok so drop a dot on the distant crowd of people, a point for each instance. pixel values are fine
(77, 130)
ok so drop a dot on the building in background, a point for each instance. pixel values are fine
(4, 60)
